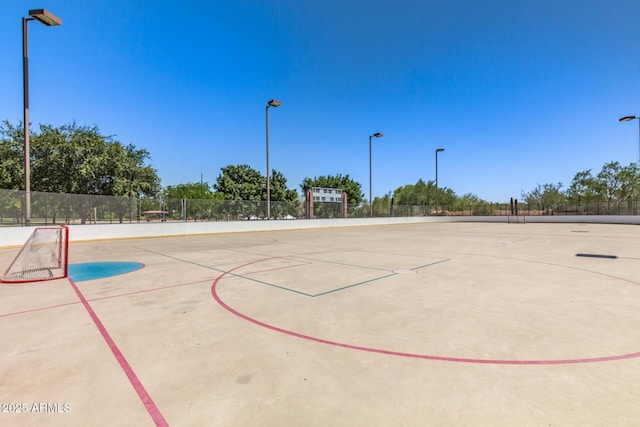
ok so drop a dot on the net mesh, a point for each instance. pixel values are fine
(43, 257)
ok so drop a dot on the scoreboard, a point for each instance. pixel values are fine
(326, 195)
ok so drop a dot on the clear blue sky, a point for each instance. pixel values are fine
(519, 93)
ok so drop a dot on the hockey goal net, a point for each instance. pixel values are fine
(43, 257)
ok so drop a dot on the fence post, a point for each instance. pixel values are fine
(308, 204)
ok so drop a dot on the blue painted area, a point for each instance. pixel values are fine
(100, 270)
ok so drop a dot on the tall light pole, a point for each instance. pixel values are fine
(48, 19)
(272, 103)
(628, 119)
(377, 135)
(439, 150)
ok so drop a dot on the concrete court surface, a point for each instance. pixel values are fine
(435, 324)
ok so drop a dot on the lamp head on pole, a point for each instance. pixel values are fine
(46, 17)
(627, 118)
(378, 134)
(439, 150)
(274, 103)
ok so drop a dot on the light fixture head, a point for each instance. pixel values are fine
(627, 118)
(439, 150)
(46, 17)
(378, 134)
(274, 103)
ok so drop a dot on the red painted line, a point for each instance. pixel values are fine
(214, 292)
(144, 291)
(15, 313)
(151, 407)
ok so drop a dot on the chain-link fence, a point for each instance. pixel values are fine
(54, 208)
(613, 207)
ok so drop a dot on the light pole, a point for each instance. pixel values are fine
(439, 150)
(48, 19)
(377, 135)
(272, 103)
(628, 119)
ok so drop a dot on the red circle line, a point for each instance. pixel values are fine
(398, 353)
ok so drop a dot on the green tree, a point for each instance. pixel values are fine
(130, 171)
(417, 194)
(278, 189)
(470, 199)
(545, 197)
(76, 159)
(608, 185)
(472, 202)
(240, 182)
(629, 178)
(424, 194)
(616, 183)
(11, 157)
(243, 183)
(583, 188)
(382, 205)
(447, 198)
(190, 190)
(355, 196)
(286, 200)
(199, 201)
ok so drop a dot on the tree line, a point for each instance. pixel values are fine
(77, 159)
(615, 185)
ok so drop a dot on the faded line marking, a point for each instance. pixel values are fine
(430, 264)
(32, 310)
(339, 263)
(239, 275)
(355, 284)
(296, 258)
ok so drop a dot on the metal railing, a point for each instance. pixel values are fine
(56, 208)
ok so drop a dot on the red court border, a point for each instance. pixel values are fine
(215, 295)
